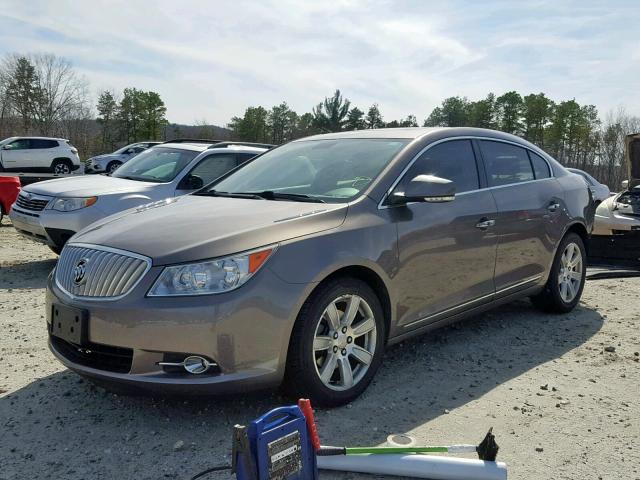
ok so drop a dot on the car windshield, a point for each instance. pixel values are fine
(159, 164)
(328, 170)
(123, 149)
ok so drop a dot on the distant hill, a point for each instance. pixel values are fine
(176, 130)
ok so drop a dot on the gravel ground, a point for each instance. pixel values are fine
(560, 391)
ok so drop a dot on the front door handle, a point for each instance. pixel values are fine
(553, 206)
(485, 223)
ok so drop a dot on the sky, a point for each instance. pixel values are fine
(209, 60)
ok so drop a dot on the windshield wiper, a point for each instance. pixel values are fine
(296, 197)
(141, 179)
(215, 193)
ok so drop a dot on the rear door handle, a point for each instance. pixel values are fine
(553, 206)
(485, 223)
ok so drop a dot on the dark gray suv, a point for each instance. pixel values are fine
(300, 266)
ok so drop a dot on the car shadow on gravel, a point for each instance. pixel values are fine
(68, 428)
(25, 275)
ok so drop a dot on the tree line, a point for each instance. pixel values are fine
(43, 95)
(574, 134)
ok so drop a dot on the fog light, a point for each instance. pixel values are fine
(196, 365)
(193, 364)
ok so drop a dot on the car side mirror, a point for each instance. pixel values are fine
(427, 188)
(191, 182)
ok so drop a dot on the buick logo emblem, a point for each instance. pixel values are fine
(79, 271)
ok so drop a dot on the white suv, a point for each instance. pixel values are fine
(42, 154)
(52, 211)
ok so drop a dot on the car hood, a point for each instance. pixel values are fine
(86, 186)
(193, 227)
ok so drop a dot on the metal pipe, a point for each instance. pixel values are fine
(416, 466)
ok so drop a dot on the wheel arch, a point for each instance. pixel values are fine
(63, 159)
(579, 229)
(373, 280)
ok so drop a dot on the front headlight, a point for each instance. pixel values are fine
(71, 204)
(213, 276)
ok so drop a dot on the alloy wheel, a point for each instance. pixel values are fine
(570, 274)
(61, 168)
(344, 342)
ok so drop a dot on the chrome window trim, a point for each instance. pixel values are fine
(381, 205)
(116, 251)
(476, 300)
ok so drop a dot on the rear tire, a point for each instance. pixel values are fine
(112, 167)
(567, 277)
(337, 343)
(61, 167)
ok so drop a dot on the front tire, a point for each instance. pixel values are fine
(566, 279)
(61, 167)
(112, 167)
(337, 343)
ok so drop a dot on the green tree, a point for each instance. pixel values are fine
(281, 123)
(330, 115)
(107, 112)
(454, 112)
(152, 114)
(482, 113)
(252, 127)
(23, 90)
(536, 111)
(509, 110)
(305, 126)
(374, 118)
(355, 120)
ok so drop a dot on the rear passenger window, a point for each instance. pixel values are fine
(540, 166)
(453, 160)
(505, 163)
(41, 143)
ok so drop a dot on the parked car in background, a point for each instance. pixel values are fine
(38, 154)
(301, 266)
(599, 190)
(619, 214)
(9, 188)
(108, 163)
(54, 210)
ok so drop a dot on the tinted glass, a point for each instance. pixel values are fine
(505, 163)
(243, 157)
(156, 165)
(40, 143)
(452, 160)
(214, 166)
(332, 170)
(21, 144)
(540, 166)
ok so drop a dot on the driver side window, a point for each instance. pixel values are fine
(213, 166)
(22, 144)
(453, 160)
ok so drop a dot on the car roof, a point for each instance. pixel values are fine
(37, 138)
(415, 132)
(201, 147)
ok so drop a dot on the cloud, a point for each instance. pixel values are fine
(213, 59)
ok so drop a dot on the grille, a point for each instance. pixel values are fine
(35, 204)
(92, 271)
(94, 355)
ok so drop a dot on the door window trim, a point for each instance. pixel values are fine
(478, 154)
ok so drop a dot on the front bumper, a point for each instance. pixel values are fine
(52, 227)
(245, 331)
(615, 223)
